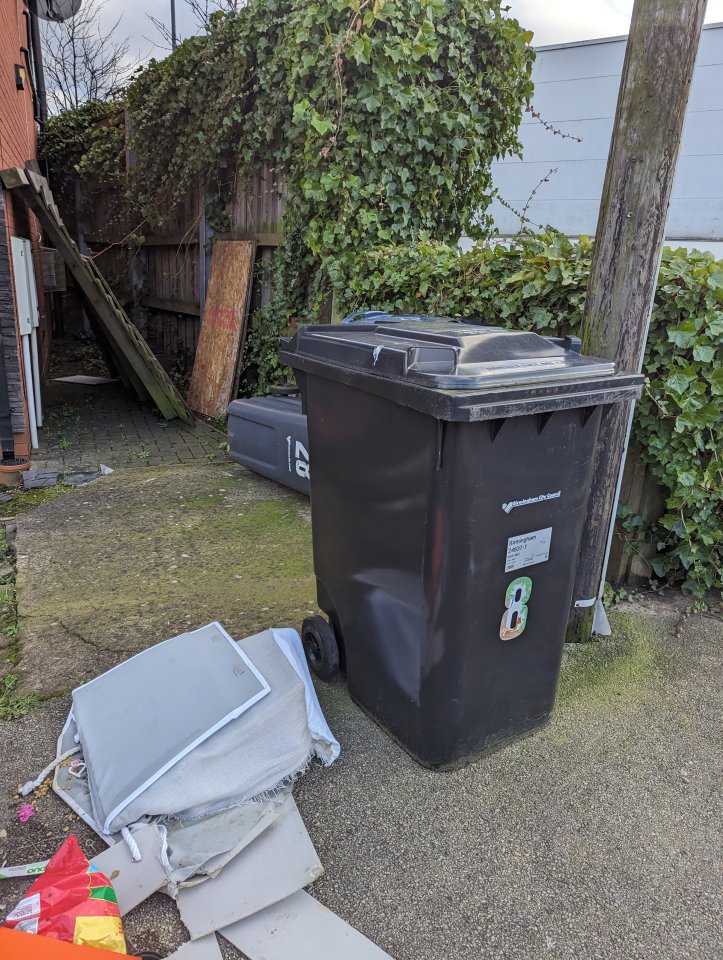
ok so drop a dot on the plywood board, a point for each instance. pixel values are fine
(300, 927)
(280, 862)
(223, 329)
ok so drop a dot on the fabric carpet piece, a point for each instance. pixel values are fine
(250, 758)
(230, 789)
(199, 849)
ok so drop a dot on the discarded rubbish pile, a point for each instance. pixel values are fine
(183, 759)
(71, 901)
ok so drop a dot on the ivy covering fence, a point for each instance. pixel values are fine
(538, 283)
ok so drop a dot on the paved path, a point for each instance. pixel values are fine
(85, 426)
(143, 554)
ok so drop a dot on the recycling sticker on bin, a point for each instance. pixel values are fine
(528, 549)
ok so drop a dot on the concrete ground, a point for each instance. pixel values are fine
(598, 837)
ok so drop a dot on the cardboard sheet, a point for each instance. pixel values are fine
(134, 882)
(278, 863)
(300, 927)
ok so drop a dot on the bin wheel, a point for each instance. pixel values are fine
(320, 647)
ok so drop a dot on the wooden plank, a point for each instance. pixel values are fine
(14, 177)
(171, 306)
(123, 336)
(223, 327)
(177, 240)
(262, 239)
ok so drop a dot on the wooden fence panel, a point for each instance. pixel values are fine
(173, 279)
(258, 206)
(630, 558)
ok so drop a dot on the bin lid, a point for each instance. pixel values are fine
(444, 353)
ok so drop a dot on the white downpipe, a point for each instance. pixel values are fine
(603, 627)
(30, 391)
(36, 376)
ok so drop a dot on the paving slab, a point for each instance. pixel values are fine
(88, 424)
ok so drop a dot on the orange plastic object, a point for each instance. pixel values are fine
(15, 945)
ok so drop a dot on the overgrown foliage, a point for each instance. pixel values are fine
(66, 140)
(539, 283)
(382, 118)
(14, 706)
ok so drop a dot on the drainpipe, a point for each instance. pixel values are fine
(38, 64)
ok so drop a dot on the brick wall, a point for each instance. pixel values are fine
(17, 126)
(18, 144)
(8, 332)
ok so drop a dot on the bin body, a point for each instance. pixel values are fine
(269, 436)
(444, 552)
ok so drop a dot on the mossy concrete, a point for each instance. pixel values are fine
(621, 666)
(141, 555)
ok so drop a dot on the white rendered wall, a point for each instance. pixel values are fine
(576, 89)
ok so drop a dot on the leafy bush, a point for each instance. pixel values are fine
(382, 116)
(538, 283)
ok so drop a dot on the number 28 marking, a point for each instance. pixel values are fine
(300, 458)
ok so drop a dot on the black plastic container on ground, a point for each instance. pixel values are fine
(452, 465)
(269, 435)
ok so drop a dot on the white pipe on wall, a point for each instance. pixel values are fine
(36, 376)
(30, 391)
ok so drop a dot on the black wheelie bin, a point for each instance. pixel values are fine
(451, 469)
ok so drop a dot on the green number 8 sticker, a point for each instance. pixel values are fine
(514, 619)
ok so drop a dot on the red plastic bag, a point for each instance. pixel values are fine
(71, 901)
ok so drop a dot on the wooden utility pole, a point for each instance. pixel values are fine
(658, 68)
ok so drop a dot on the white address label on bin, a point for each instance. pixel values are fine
(528, 549)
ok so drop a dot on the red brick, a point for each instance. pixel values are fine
(18, 144)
